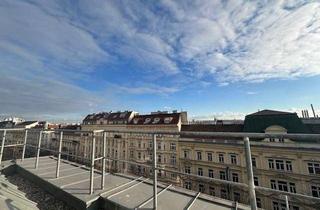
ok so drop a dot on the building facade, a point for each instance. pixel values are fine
(290, 165)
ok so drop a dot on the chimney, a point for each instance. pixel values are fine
(307, 113)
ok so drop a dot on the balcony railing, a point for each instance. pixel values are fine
(155, 167)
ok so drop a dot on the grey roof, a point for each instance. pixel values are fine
(121, 191)
(270, 112)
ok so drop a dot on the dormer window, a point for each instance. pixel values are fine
(115, 116)
(168, 119)
(122, 115)
(147, 120)
(156, 120)
(136, 120)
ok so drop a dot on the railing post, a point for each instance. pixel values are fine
(2, 145)
(93, 147)
(252, 193)
(38, 149)
(59, 155)
(104, 159)
(24, 145)
(287, 203)
(155, 181)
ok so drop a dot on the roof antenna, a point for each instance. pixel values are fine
(314, 114)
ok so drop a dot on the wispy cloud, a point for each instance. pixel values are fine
(144, 89)
(55, 46)
(251, 93)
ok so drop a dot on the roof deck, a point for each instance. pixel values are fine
(120, 191)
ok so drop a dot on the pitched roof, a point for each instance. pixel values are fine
(270, 112)
(108, 116)
(156, 119)
(259, 121)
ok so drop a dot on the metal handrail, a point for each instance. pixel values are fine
(154, 166)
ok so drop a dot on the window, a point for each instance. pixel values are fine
(187, 170)
(223, 194)
(235, 177)
(292, 187)
(259, 202)
(147, 120)
(233, 159)
(173, 160)
(314, 168)
(256, 181)
(186, 154)
(159, 146)
(273, 184)
(173, 176)
(288, 165)
(278, 206)
(272, 139)
(254, 162)
(201, 188)
(212, 191)
(221, 158)
(187, 185)
(210, 173)
(139, 155)
(236, 196)
(199, 156)
(139, 144)
(156, 120)
(200, 171)
(282, 206)
(173, 146)
(167, 120)
(131, 154)
(271, 163)
(150, 144)
(281, 139)
(159, 158)
(283, 186)
(209, 156)
(223, 175)
(280, 165)
(315, 191)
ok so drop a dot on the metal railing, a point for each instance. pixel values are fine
(249, 170)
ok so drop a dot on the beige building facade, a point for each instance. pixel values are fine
(291, 165)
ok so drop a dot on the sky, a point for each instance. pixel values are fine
(63, 59)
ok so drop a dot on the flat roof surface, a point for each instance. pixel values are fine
(122, 190)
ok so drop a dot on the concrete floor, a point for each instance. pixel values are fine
(120, 192)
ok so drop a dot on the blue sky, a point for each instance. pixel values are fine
(60, 60)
